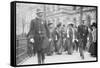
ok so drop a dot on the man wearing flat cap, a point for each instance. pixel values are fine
(39, 35)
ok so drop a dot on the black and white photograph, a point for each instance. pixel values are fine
(48, 33)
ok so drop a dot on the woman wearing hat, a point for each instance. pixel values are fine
(93, 46)
(70, 38)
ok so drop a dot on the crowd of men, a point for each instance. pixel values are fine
(44, 41)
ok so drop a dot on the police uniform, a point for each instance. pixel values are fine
(38, 30)
(82, 38)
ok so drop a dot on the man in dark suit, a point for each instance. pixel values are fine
(39, 33)
(82, 38)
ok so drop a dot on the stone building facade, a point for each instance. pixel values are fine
(53, 13)
(67, 14)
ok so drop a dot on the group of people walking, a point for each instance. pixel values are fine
(62, 38)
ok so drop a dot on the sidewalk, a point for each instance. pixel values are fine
(75, 57)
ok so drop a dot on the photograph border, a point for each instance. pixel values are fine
(13, 32)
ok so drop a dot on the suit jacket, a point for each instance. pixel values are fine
(82, 32)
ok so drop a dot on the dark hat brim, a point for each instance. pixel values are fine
(39, 12)
(50, 24)
(71, 24)
(59, 25)
(94, 25)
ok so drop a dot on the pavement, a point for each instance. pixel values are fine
(75, 57)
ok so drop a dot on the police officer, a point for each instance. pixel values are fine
(82, 38)
(39, 33)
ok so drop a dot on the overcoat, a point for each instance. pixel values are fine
(40, 33)
(70, 38)
(83, 34)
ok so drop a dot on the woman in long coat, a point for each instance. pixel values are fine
(93, 46)
(70, 39)
(50, 49)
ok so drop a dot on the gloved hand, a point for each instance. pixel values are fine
(32, 40)
(50, 39)
(77, 40)
(87, 38)
(73, 40)
(67, 35)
